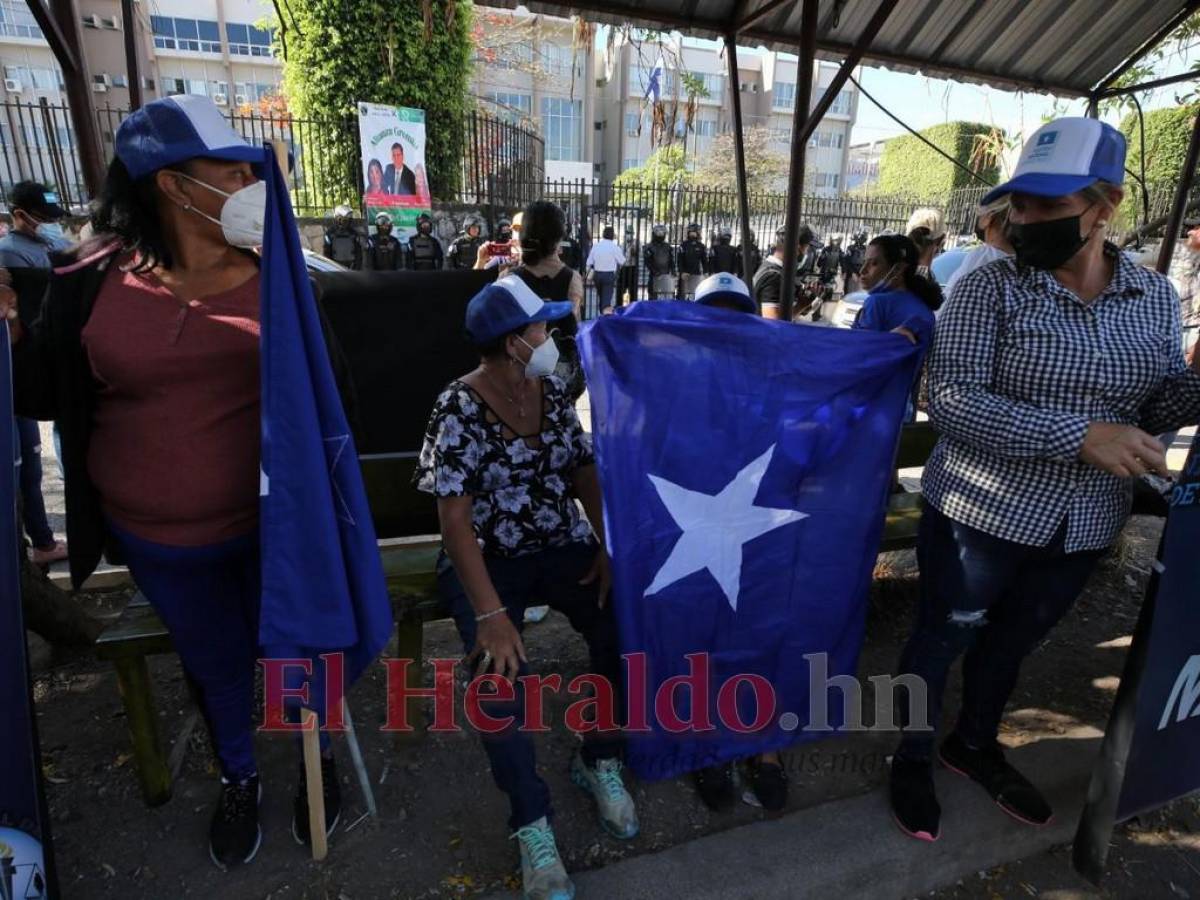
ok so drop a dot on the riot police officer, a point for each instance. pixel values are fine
(627, 281)
(829, 263)
(569, 250)
(852, 262)
(722, 257)
(659, 257)
(504, 231)
(342, 242)
(693, 262)
(424, 250)
(384, 251)
(465, 248)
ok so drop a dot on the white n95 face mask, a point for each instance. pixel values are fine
(543, 360)
(242, 214)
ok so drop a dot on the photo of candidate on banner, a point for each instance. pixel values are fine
(392, 141)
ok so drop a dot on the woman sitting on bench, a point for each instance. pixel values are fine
(147, 354)
(506, 457)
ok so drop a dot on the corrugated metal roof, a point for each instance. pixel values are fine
(1065, 47)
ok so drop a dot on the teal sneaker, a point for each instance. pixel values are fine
(613, 803)
(542, 874)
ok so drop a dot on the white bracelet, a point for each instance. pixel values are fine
(487, 615)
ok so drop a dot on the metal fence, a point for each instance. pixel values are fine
(594, 204)
(37, 142)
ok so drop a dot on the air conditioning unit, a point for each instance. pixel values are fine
(99, 87)
(114, 23)
(91, 21)
(13, 86)
(220, 99)
(240, 99)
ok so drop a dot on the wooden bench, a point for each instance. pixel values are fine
(409, 565)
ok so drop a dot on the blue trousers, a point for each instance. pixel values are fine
(549, 577)
(33, 507)
(993, 599)
(605, 283)
(209, 597)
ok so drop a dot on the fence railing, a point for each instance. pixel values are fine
(37, 142)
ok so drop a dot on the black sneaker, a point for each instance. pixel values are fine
(1009, 788)
(914, 801)
(333, 802)
(714, 784)
(234, 835)
(768, 782)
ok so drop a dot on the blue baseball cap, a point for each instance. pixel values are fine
(728, 288)
(1065, 156)
(175, 129)
(507, 305)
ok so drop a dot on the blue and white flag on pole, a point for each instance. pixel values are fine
(654, 84)
(323, 587)
(745, 466)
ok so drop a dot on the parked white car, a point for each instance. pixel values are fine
(848, 309)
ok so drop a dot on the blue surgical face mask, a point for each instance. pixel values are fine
(51, 232)
(883, 283)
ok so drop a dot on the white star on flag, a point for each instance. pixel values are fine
(716, 527)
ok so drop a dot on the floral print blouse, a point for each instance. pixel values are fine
(521, 487)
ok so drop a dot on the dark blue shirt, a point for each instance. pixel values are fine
(20, 251)
(886, 310)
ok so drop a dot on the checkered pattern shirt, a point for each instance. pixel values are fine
(1018, 369)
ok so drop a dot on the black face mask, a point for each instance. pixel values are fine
(980, 233)
(1046, 245)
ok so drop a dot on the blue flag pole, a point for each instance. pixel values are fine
(26, 856)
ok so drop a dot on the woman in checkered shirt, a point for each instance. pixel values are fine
(1048, 375)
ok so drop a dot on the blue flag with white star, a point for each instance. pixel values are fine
(745, 465)
(323, 587)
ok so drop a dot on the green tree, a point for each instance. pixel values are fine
(1167, 134)
(336, 54)
(655, 183)
(910, 168)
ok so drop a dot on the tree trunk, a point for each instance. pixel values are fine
(51, 613)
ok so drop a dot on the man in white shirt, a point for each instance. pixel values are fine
(989, 228)
(604, 262)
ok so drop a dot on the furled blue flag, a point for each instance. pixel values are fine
(323, 587)
(23, 818)
(745, 465)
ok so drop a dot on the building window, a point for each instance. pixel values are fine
(633, 124)
(827, 180)
(172, 86)
(35, 136)
(557, 60)
(17, 21)
(714, 84)
(639, 80)
(783, 95)
(510, 106)
(562, 121)
(781, 134)
(120, 81)
(706, 128)
(253, 91)
(196, 35)
(841, 104)
(630, 162)
(247, 40)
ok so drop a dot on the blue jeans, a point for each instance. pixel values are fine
(33, 507)
(605, 283)
(549, 577)
(208, 597)
(993, 599)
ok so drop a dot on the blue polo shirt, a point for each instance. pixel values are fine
(20, 251)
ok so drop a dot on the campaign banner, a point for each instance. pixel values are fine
(1148, 757)
(23, 819)
(392, 141)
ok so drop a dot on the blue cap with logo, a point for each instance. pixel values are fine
(1064, 156)
(175, 129)
(727, 288)
(507, 305)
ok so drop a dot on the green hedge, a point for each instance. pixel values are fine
(1167, 134)
(910, 168)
